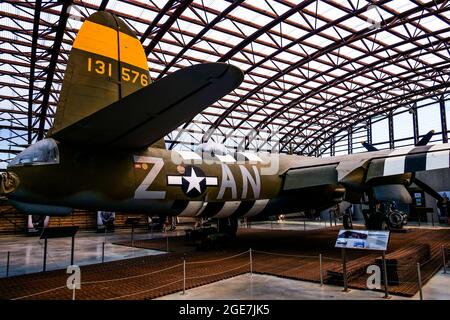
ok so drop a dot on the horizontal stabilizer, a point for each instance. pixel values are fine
(145, 116)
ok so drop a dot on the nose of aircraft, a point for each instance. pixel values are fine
(8, 183)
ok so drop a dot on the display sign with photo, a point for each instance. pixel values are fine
(105, 220)
(36, 223)
(362, 239)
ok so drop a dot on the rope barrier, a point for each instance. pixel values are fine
(145, 291)
(215, 274)
(286, 255)
(39, 293)
(217, 260)
(398, 267)
(132, 277)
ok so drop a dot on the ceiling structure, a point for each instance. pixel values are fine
(313, 68)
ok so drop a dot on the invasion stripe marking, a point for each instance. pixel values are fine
(211, 209)
(437, 160)
(257, 208)
(244, 207)
(228, 209)
(415, 162)
(251, 156)
(420, 149)
(226, 158)
(443, 146)
(203, 207)
(401, 151)
(192, 209)
(189, 155)
(394, 165)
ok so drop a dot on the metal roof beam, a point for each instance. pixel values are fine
(52, 66)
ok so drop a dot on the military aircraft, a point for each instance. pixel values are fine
(105, 150)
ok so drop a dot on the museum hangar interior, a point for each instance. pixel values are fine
(350, 97)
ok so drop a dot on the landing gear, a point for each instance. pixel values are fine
(397, 219)
(210, 237)
(384, 216)
(347, 221)
(228, 226)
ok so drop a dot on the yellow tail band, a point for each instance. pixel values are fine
(102, 40)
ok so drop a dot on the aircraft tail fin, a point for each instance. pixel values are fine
(107, 62)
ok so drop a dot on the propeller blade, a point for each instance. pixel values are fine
(369, 147)
(425, 139)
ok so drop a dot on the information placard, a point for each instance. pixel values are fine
(362, 239)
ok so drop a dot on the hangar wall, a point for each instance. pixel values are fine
(12, 222)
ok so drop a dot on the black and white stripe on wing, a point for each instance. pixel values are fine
(413, 159)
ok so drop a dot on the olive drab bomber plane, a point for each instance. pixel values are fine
(106, 151)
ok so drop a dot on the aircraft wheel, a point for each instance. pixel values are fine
(396, 219)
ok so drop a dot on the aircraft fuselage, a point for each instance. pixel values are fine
(157, 181)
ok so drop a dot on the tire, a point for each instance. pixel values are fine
(396, 219)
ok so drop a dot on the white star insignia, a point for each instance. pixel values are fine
(194, 181)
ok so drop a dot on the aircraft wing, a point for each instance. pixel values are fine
(385, 171)
(145, 116)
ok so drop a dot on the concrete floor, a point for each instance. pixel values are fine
(314, 225)
(27, 255)
(26, 252)
(265, 287)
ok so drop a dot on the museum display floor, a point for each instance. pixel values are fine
(26, 252)
(267, 287)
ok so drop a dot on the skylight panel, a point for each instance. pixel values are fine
(433, 23)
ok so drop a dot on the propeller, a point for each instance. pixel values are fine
(425, 139)
(423, 142)
(369, 146)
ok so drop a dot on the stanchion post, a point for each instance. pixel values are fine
(321, 269)
(7, 263)
(184, 276)
(419, 280)
(167, 241)
(251, 262)
(344, 269)
(44, 268)
(132, 234)
(72, 252)
(103, 252)
(444, 259)
(304, 225)
(386, 292)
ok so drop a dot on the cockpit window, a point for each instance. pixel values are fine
(40, 153)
